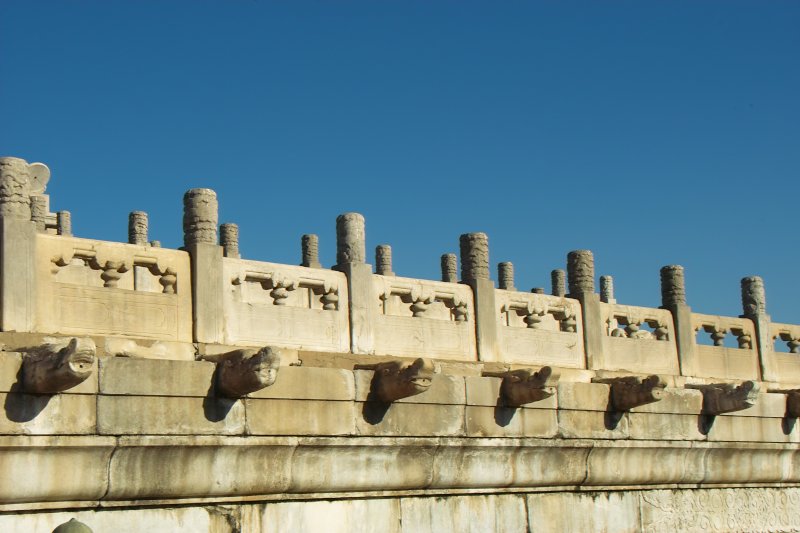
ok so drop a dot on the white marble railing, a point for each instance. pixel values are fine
(720, 361)
(639, 339)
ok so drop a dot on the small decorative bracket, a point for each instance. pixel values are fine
(241, 372)
(719, 398)
(523, 386)
(628, 392)
(394, 380)
(54, 368)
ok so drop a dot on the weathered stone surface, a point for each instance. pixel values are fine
(484, 421)
(700, 511)
(169, 415)
(580, 272)
(383, 260)
(407, 419)
(309, 247)
(673, 286)
(344, 516)
(751, 429)
(309, 383)
(754, 298)
(56, 367)
(137, 228)
(300, 417)
(350, 238)
(485, 391)
(147, 377)
(583, 396)
(558, 280)
(474, 256)
(594, 511)
(173, 520)
(38, 414)
(591, 425)
(663, 426)
(200, 213)
(229, 239)
(505, 276)
(15, 188)
(449, 264)
(464, 514)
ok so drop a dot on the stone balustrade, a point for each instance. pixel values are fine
(204, 385)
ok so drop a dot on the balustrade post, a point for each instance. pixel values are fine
(580, 279)
(351, 260)
(475, 273)
(200, 214)
(18, 241)
(754, 307)
(673, 299)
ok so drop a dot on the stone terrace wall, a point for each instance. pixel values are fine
(194, 390)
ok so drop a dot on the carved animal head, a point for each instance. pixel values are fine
(400, 379)
(524, 386)
(245, 371)
(78, 356)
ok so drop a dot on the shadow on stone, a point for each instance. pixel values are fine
(21, 407)
(611, 417)
(216, 408)
(503, 415)
(787, 424)
(705, 423)
(373, 409)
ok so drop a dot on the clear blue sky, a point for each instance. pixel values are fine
(650, 132)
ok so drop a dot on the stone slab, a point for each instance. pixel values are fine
(444, 389)
(591, 425)
(44, 414)
(583, 396)
(409, 419)
(675, 401)
(663, 426)
(464, 514)
(338, 516)
(150, 377)
(170, 520)
(163, 415)
(752, 429)
(484, 421)
(299, 417)
(308, 383)
(594, 511)
(623, 464)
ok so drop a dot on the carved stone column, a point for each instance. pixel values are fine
(754, 307)
(64, 223)
(350, 256)
(229, 239)
(580, 279)
(673, 299)
(505, 275)
(18, 253)
(449, 263)
(200, 215)
(309, 245)
(383, 260)
(39, 211)
(607, 290)
(558, 279)
(137, 228)
(475, 273)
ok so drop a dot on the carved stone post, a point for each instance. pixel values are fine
(200, 210)
(580, 279)
(309, 245)
(137, 228)
(558, 278)
(350, 257)
(673, 299)
(383, 260)
(607, 290)
(449, 264)
(229, 239)
(64, 223)
(505, 275)
(18, 242)
(475, 273)
(754, 307)
(39, 211)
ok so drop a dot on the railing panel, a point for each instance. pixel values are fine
(788, 361)
(638, 339)
(88, 287)
(285, 305)
(539, 329)
(719, 361)
(415, 317)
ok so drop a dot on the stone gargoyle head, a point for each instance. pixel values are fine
(395, 380)
(58, 365)
(244, 371)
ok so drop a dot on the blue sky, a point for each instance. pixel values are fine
(650, 132)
